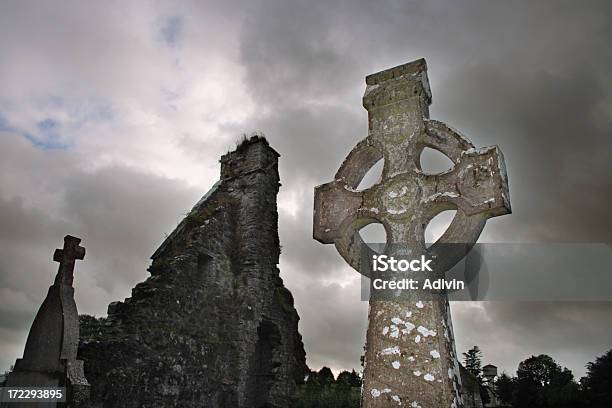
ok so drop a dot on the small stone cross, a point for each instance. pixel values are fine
(66, 258)
(410, 353)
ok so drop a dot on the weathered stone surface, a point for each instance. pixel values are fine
(410, 352)
(213, 326)
(50, 356)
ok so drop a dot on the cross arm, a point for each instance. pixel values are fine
(334, 202)
(477, 184)
(66, 258)
(339, 200)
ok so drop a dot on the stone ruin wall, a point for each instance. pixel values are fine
(213, 326)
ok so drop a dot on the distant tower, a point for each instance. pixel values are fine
(489, 372)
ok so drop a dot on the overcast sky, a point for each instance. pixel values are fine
(113, 116)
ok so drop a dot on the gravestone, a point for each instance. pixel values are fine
(50, 356)
(410, 353)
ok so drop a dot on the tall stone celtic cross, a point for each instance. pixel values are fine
(410, 353)
(66, 258)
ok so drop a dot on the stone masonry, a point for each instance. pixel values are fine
(213, 326)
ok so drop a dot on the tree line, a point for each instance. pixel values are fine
(322, 390)
(540, 382)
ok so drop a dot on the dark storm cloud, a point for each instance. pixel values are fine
(172, 30)
(536, 79)
(295, 52)
(120, 213)
(313, 150)
(332, 323)
(572, 333)
(124, 212)
(556, 143)
(533, 77)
